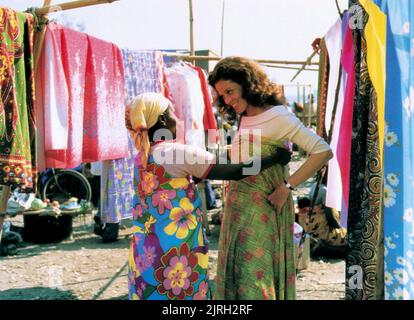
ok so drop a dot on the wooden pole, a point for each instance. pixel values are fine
(187, 57)
(70, 5)
(192, 52)
(222, 28)
(40, 37)
(307, 62)
(284, 67)
(47, 3)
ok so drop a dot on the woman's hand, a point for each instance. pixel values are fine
(278, 197)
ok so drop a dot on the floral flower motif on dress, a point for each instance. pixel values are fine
(137, 212)
(401, 294)
(401, 276)
(162, 200)
(149, 182)
(409, 103)
(179, 183)
(405, 29)
(388, 278)
(149, 256)
(202, 291)
(177, 275)
(389, 196)
(408, 215)
(257, 197)
(392, 179)
(391, 138)
(190, 192)
(159, 171)
(182, 218)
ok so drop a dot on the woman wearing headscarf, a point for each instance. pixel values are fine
(168, 256)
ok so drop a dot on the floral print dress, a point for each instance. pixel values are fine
(168, 252)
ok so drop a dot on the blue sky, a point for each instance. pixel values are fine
(259, 29)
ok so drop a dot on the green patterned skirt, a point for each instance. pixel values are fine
(256, 251)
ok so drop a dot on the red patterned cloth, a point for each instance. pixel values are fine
(81, 86)
(104, 132)
(209, 120)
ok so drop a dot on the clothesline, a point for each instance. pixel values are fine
(307, 62)
(284, 67)
(70, 5)
(217, 58)
(192, 58)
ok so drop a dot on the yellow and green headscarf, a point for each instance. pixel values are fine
(141, 115)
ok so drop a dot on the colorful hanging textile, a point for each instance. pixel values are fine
(70, 52)
(209, 120)
(322, 89)
(186, 92)
(104, 133)
(399, 151)
(343, 152)
(81, 91)
(334, 104)
(364, 263)
(143, 73)
(17, 100)
(52, 98)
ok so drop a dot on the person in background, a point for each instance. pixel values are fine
(168, 257)
(328, 238)
(256, 250)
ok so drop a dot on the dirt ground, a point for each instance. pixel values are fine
(84, 268)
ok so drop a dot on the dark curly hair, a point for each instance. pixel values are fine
(257, 89)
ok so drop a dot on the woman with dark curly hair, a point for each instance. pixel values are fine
(256, 249)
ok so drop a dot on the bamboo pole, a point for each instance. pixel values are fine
(40, 37)
(284, 67)
(189, 57)
(307, 62)
(192, 52)
(47, 3)
(70, 5)
(222, 28)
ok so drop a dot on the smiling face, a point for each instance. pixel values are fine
(231, 93)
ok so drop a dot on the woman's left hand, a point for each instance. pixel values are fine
(278, 197)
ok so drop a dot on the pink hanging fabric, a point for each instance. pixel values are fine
(51, 97)
(209, 120)
(81, 90)
(343, 153)
(72, 49)
(104, 133)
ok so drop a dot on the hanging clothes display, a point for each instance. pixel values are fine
(365, 218)
(334, 104)
(398, 151)
(186, 92)
(343, 152)
(17, 100)
(52, 99)
(143, 73)
(322, 89)
(81, 91)
(209, 120)
(104, 103)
